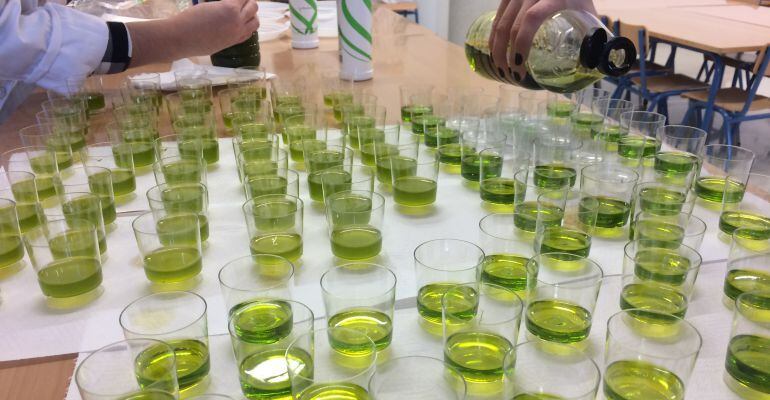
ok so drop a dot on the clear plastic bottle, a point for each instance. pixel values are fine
(571, 50)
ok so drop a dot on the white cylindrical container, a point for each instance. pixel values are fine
(355, 27)
(304, 24)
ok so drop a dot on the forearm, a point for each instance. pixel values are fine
(159, 41)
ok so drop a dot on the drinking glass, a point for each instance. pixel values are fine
(320, 159)
(354, 219)
(255, 124)
(143, 89)
(564, 223)
(464, 149)
(198, 132)
(481, 324)
(61, 133)
(176, 169)
(662, 199)
(396, 147)
(533, 371)
(556, 163)
(343, 362)
(748, 266)
(250, 79)
(90, 90)
(416, 377)
(20, 186)
(48, 150)
(93, 179)
(140, 142)
(585, 121)
(725, 174)
(137, 122)
(177, 202)
(496, 176)
(283, 181)
(638, 144)
(390, 134)
(193, 87)
(261, 160)
(261, 333)
(679, 159)
(505, 263)
(747, 361)
(334, 89)
(212, 396)
(83, 206)
(301, 128)
(415, 100)
(669, 230)
(470, 163)
(255, 277)
(414, 181)
(11, 247)
(363, 126)
(346, 177)
(68, 115)
(422, 119)
(525, 195)
(439, 265)
(561, 298)
(648, 366)
(361, 297)
(263, 141)
(752, 212)
(171, 252)
(658, 276)
(179, 319)
(65, 256)
(610, 131)
(118, 160)
(612, 186)
(274, 224)
(21, 160)
(135, 368)
(234, 104)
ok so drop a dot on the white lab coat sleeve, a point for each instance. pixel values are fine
(49, 44)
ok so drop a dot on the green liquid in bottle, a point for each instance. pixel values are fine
(661, 265)
(632, 380)
(264, 322)
(356, 242)
(265, 374)
(70, 276)
(192, 362)
(286, 245)
(739, 281)
(414, 191)
(477, 356)
(714, 189)
(756, 226)
(748, 363)
(558, 321)
(172, 264)
(375, 324)
(506, 270)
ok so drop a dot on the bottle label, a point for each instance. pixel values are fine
(304, 23)
(355, 28)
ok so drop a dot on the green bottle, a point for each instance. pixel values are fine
(243, 54)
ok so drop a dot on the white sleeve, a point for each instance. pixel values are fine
(50, 44)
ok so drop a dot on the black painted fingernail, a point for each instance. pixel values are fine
(519, 59)
(517, 76)
(500, 70)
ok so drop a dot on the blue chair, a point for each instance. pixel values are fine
(734, 104)
(655, 89)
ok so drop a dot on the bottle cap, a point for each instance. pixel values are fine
(591, 48)
(610, 61)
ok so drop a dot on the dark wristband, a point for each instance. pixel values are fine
(117, 55)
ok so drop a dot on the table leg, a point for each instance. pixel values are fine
(716, 84)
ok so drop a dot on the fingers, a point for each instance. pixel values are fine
(500, 10)
(243, 3)
(516, 58)
(532, 18)
(501, 33)
(249, 10)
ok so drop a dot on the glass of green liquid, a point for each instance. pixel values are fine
(260, 160)
(66, 259)
(257, 124)
(255, 277)
(274, 223)
(59, 133)
(287, 109)
(129, 369)
(610, 131)
(564, 223)
(343, 359)
(725, 173)
(171, 252)
(198, 134)
(417, 377)
(180, 106)
(234, 104)
(470, 161)
(748, 266)
(184, 199)
(612, 186)
(658, 277)
(752, 212)
(360, 296)
(47, 151)
(481, 324)
(212, 396)
(423, 119)
(91, 90)
(83, 206)
(143, 89)
(562, 294)
(179, 319)
(648, 367)
(662, 199)
(261, 333)
(556, 161)
(638, 142)
(192, 88)
(120, 162)
(283, 181)
(669, 230)
(556, 371)
(560, 107)
(414, 181)
(175, 169)
(368, 138)
(355, 124)
(746, 363)
(301, 128)
(262, 141)
(463, 142)
(136, 120)
(250, 79)
(395, 146)
(11, 247)
(678, 161)
(499, 169)
(20, 186)
(439, 265)
(140, 144)
(93, 179)
(333, 88)
(415, 100)
(68, 114)
(319, 159)
(505, 263)
(585, 119)
(346, 177)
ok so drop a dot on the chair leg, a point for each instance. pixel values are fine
(728, 132)
(688, 114)
(737, 134)
(416, 16)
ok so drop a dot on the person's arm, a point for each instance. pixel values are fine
(515, 25)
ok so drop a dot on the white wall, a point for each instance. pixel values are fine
(462, 13)
(434, 15)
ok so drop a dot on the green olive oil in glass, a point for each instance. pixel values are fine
(429, 302)
(70, 276)
(414, 191)
(172, 264)
(330, 391)
(356, 242)
(661, 265)
(264, 375)
(559, 239)
(286, 245)
(612, 213)
(630, 380)
(470, 167)
(665, 301)
(715, 189)
(661, 201)
(506, 270)
(477, 356)
(554, 176)
(748, 362)
(501, 190)
(739, 281)
(525, 215)
(559, 321)
(192, 362)
(756, 226)
(376, 324)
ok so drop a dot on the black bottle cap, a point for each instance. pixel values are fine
(607, 66)
(591, 48)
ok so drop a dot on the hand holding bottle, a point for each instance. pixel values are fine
(515, 25)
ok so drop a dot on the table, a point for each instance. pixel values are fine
(403, 53)
(744, 13)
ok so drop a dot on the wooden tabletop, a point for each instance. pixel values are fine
(745, 13)
(404, 53)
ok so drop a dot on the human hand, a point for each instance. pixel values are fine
(515, 25)
(219, 24)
